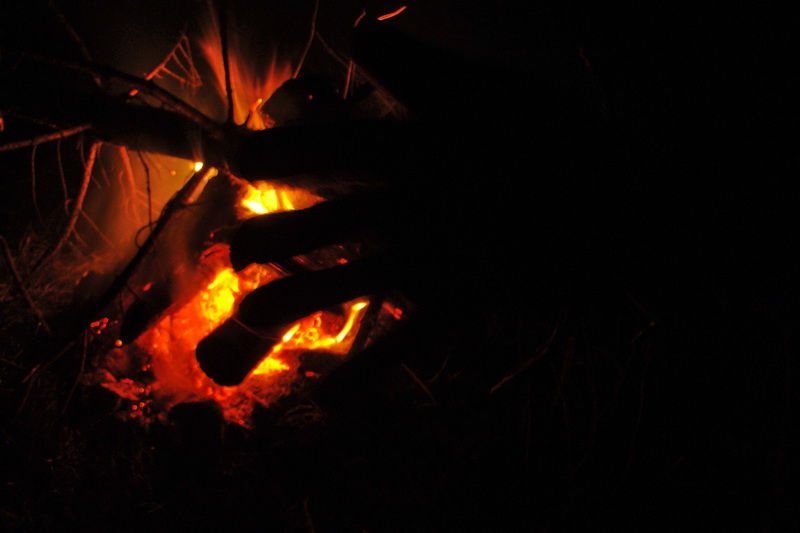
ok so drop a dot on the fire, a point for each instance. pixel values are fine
(310, 334)
(168, 347)
(262, 198)
(251, 83)
(159, 369)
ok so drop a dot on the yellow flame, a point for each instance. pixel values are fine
(172, 342)
(262, 197)
(311, 333)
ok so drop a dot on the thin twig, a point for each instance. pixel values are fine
(147, 186)
(70, 30)
(309, 521)
(339, 59)
(12, 266)
(57, 356)
(173, 55)
(12, 363)
(540, 353)
(419, 382)
(349, 79)
(310, 39)
(127, 171)
(223, 38)
(145, 86)
(80, 372)
(31, 376)
(441, 369)
(76, 208)
(358, 74)
(178, 202)
(98, 230)
(33, 186)
(61, 175)
(45, 138)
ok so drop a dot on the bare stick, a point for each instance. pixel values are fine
(310, 39)
(61, 175)
(153, 73)
(128, 173)
(173, 54)
(223, 38)
(70, 30)
(419, 382)
(331, 51)
(349, 80)
(144, 86)
(80, 372)
(149, 195)
(98, 230)
(309, 521)
(12, 266)
(45, 138)
(526, 365)
(33, 186)
(77, 207)
(178, 202)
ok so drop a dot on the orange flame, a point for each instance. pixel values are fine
(251, 84)
(171, 343)
(159, 370)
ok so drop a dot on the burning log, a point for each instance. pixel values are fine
(351, 146)
(232, 350)
(273, 237)
(438, 150)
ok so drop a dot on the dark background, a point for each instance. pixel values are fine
(647, 311)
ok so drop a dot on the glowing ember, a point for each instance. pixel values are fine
(168, 347)
(263, 198)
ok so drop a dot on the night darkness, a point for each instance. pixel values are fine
(603, 265)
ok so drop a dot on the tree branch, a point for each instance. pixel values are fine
(145, 86)
(56, 135)
(76, 210)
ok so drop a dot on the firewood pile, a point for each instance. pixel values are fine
(437, 269)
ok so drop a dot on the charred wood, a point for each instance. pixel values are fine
(277, 236)
(232, 350)
(288, 299)
(363, 145)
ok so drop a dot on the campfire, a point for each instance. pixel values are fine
(297, 266)
(159, 368)
(177, 285)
